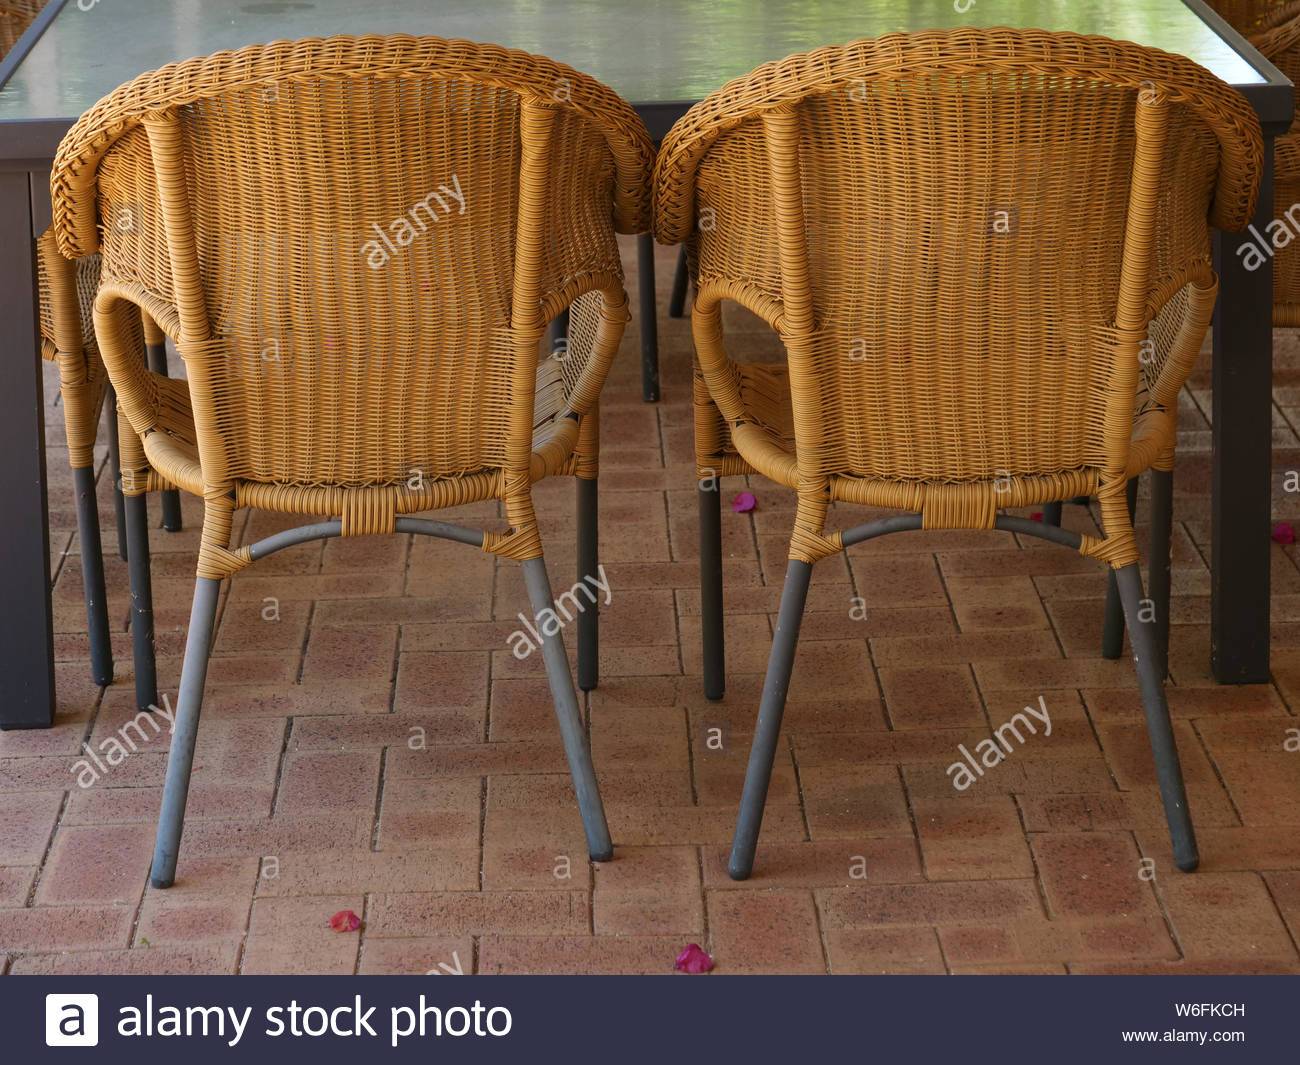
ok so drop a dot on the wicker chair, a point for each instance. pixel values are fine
(357, 245)
(1273, 28)
(15, 17)
(1262, 22)
(965, 240)
(67, 294)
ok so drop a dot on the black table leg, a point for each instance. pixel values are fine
(559, 335)
(681, 279)
(26, 621)
(645, 269)
(1241, 473)
(156, 355)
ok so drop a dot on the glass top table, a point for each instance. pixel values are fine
(662, 56)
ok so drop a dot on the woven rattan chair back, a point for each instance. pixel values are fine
(962, 248)
(1273, 27)
(356, 244)
(15, 17)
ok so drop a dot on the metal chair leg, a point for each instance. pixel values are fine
(1162, 524)
(645, 268)
(1112, 632)
(572, 731)
(180, 759)
(171, 498)
(1151, 683)
(768, 729)
(115, 469)
(715, 666)
(92, 576)
(588, 566)
(137, 534)
(681, 278)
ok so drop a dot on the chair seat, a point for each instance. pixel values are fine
(170, 456)
(764, 391)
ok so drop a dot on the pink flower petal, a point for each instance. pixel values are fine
(744, 502)
(1284, 533)
(693, 960)
(345, 921)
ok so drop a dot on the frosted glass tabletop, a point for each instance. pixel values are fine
(649, 51)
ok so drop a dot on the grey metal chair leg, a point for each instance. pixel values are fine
(645, 269)
(768, 729)
(576, 748)
(1142, 636)
(180, 760)
(1162, 526)
(1112, 632)
(681, 279)
(115, 469)
(588, 566)
(715, 667)
(92, 576)
(137, 534)
(171, 498)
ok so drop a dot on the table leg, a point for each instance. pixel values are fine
(559, 335)
(156, 356)
(26, 625)
(1242, 464)
(681, 279)
(645, 269)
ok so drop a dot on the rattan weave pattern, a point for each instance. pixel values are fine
(962, 238)
(15, 17)
(1260, 20)
(66, 292)
(1274, 29)
(357, 244)
(66, 299)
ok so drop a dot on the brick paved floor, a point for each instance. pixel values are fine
(334, 663)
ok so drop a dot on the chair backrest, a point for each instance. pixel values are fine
(1250, 16)
(1272, 26)
(15, 17)
(354, 242)
(961, 237)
